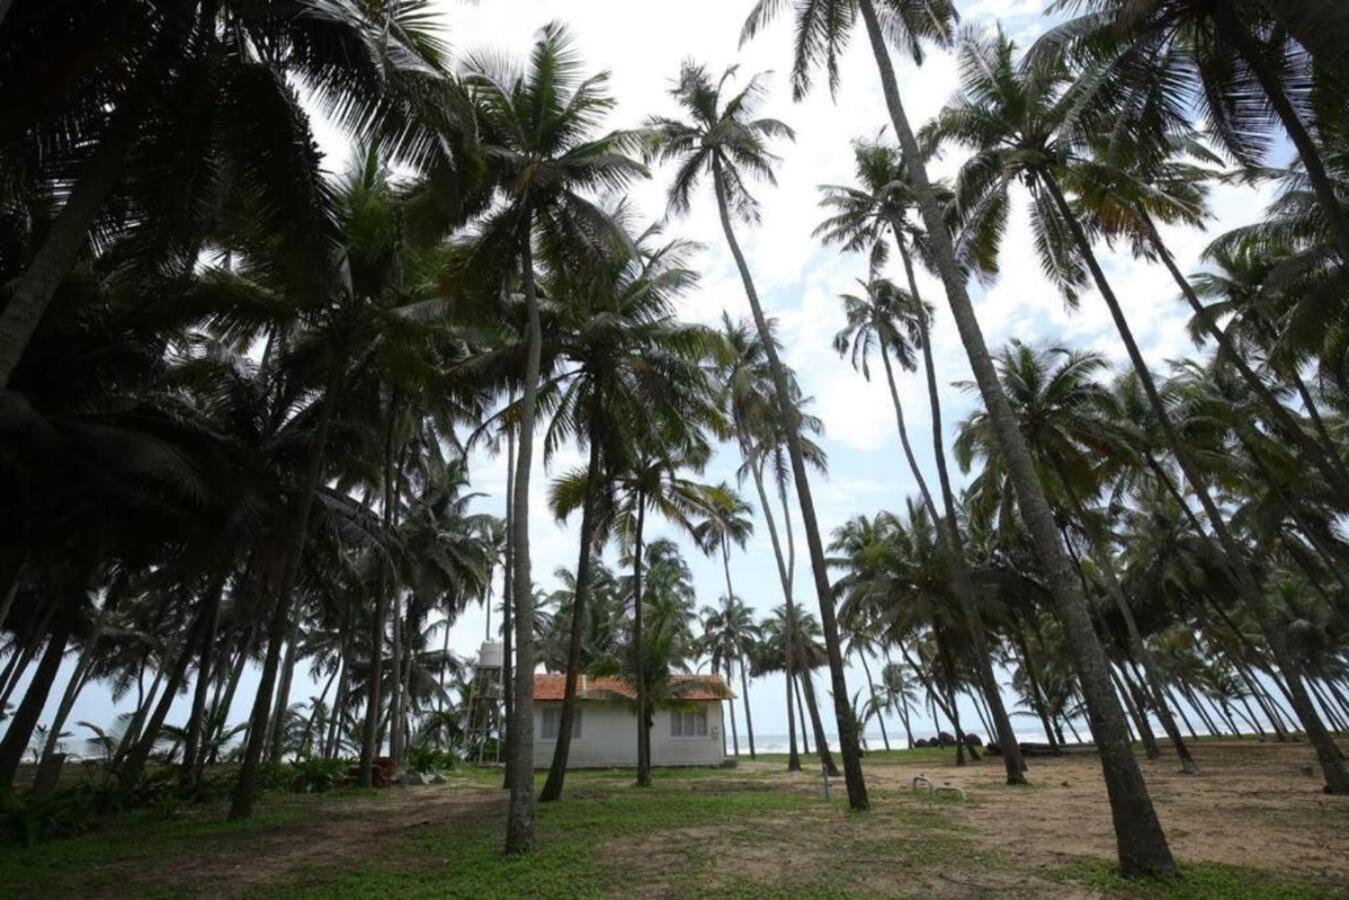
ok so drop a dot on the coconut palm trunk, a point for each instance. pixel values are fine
(952, 541)
(196, 720)
(847, 733)
(639, 663)
(1322, 453)
(793, 757)
(19, 728)
(875, 701)
(1033, 679)
(370, 740)
(245, 788)
(744, 676)
(520, 746)
(1252, 53)
(1332, 762)
(34, 289)
(1140, 841)
(557, 772)
(1321, 27)
(508, 601)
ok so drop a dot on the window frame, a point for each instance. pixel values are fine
(697, 717)
(557, 723)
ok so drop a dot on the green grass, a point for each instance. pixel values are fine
(574, 840)
(1195, 882)
(64, 867)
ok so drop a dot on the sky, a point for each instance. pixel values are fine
(642, 44)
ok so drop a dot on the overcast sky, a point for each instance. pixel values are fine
(642, 44)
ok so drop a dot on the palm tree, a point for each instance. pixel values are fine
(1016, 119)
(726, 142)
(1140, 841)
(895, 321)
(726, 521)
(899, 694)
(186, 94)
(730, 636)
(1144, 65)
(638, 369)
(538, 129)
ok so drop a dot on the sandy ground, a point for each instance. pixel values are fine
(1253, 805)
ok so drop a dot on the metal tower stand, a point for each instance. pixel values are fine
(484, 714)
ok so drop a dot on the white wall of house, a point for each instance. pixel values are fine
(608, 737)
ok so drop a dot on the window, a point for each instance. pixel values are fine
(688, 723)
(552, 723)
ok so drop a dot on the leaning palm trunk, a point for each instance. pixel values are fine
(948, 531)
(1252, 53)
(847, 733)
(370, 741)
(875, 701)
(793, 757)
(790, 649)
(64, 241)
(1321, 27)
(196, 720)
(245, 788)
(1155, 695)
(744, 677)
(20, 726)
(1322, 454)
(557, 772)
(520, 746)
(1332, 763)
(639, 651)
(281, 707)
(1140, 841)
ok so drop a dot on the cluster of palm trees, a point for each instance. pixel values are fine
(237, 394)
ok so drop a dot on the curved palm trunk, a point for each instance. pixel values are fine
(246, 787)
(196, 720)
(812, 714)
(281, 706)
(643, 726)
(744, 677)
(34, 289)
(19, 728)
(847, 734)
(370, 736)
(802, 716)
(1033, 679)
(520, 745)
(557, 772)
(1252, 53)
(507, 601)
(949, 531)
(735, 731)
(1155, 695)
(1323, 453)
(875, 702)
(744, 698)
(1140, 840)
(1321, 28)
(1332, 763)
(793, 757)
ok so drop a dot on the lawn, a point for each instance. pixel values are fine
(754, 831)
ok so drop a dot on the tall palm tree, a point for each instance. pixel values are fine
(1016, 117)
(637, 369)
(539, 129)
(823, 29)
(729, 638)
(1230, 60)
(157, 113)
(723, 140)
(727, 520)
(895, 321)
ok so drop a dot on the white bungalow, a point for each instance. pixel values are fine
(604, 730)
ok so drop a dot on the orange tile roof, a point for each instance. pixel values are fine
(685, 687)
